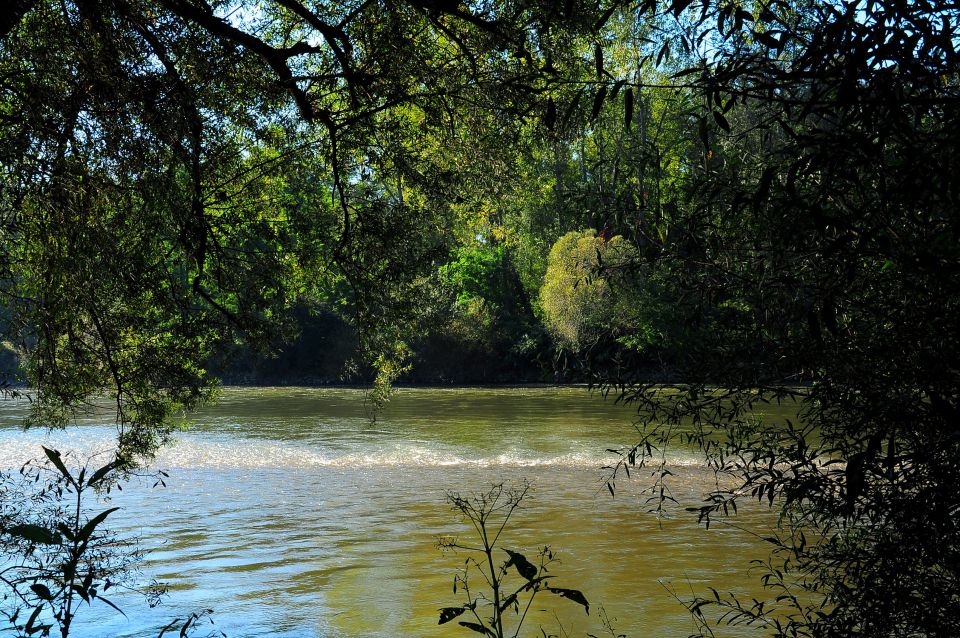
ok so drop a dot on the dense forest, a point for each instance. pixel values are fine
(698, 206)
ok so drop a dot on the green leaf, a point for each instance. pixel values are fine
(480, 629)
(679, 5)
(449, 613)
(36, 534)
(524, 567)
(101, 473)
(42, 591)
(509, 600)
(598, 102)
(102, 599)
(721, 121)
(87, 530)
(572, 594)
(766, 39)
(664, 53)
(685, 72)
(54, 457)
(550, 118)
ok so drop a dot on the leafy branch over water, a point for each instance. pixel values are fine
(56, 554)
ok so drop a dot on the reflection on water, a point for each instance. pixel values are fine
(291, 513)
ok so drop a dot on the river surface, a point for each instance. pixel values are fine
(289, 512)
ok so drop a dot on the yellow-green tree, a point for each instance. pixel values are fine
(586, 294)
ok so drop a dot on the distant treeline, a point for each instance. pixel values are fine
(325, 352)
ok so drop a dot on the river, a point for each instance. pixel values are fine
(291, 513)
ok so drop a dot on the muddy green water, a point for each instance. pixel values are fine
(290, 513)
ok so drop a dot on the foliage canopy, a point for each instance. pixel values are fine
(177, 174)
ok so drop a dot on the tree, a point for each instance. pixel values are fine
(585, 295)
(177, 175)
(478, 324)
(134, 236)
(820, 246)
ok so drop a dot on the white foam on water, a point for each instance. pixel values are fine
(259, 454)
(204, 451)
(85, 444)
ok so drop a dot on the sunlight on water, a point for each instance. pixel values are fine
(291, 513)
(197, 452)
